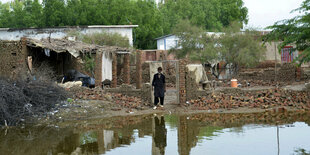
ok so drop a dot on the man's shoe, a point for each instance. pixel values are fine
(161, 106)
(155, 108)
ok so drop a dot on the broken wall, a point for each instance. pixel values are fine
(192, 87)
(12, 58)
(143, 93)
(285, 72)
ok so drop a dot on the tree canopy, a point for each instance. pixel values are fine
(232, 46)
(154, 21)
(295, 31)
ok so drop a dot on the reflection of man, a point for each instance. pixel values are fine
(160, 137)
(159, 84)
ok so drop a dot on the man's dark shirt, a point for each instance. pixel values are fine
(159, 85)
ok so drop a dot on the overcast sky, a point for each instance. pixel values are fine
(264, 13)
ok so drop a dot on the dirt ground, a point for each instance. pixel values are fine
(95, 109)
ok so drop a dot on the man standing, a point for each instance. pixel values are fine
(159, 87)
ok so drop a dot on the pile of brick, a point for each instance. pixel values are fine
(287, 72)
(120, 100)
(255, 83)
(239, 119)
(257, 99)
(266, 74)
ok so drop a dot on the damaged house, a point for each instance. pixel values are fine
(25, 49)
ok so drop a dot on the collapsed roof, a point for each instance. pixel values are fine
(75, 48)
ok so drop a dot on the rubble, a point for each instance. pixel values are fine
(285, 73)
(264, 99)
(71, 84)
(21, 100)
(119, 100)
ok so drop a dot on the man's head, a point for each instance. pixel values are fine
(159, 69)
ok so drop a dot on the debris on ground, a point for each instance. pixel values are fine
(22, 99)
(71, 84)
(257, 99)
(119, 100)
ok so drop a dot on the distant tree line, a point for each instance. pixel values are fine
(154, 21)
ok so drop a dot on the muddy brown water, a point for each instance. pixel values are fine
(260, 133)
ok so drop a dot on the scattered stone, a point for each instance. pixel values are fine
(264, 99)
(119, 100)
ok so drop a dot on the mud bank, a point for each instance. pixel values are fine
(93, 104)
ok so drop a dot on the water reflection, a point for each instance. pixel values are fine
(159, 135)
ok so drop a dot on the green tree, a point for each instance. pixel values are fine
(5, 15)
(211, 15)
(54, 13)
(194, 43)
(103, 38)
(232, 46)
(295, 31)
(18, 14)
(153, 21)
(32, 13)
(243, 49)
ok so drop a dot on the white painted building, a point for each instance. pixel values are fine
(167, 42)
(61, 32)
(159, 1)
(170, 41)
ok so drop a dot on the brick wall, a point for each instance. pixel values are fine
(182, 81)
(126, 75)
(138, 70)
(12, 58)
(144, 93)
(114, 71)
(98, 69)
(285, 72)
(156, 55)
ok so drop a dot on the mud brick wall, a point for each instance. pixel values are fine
(12, 58)
(144, 93)
(114, 71)
(267, 74)
(145, 73)
(285, 72)
(138, 70)
(182, 82)
(168, 69)
(192, 89)
(170, 73)
(126, 75)
(133, 75)
(191, 86)
(98, 69)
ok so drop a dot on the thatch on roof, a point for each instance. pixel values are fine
(75, 48)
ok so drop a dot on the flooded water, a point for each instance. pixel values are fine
(237, 134)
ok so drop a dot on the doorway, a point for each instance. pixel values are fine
(171, 72)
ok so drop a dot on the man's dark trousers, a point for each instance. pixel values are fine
(156, 100)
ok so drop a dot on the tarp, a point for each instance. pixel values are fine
(199, 71)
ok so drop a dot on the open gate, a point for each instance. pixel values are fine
(171, 72)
